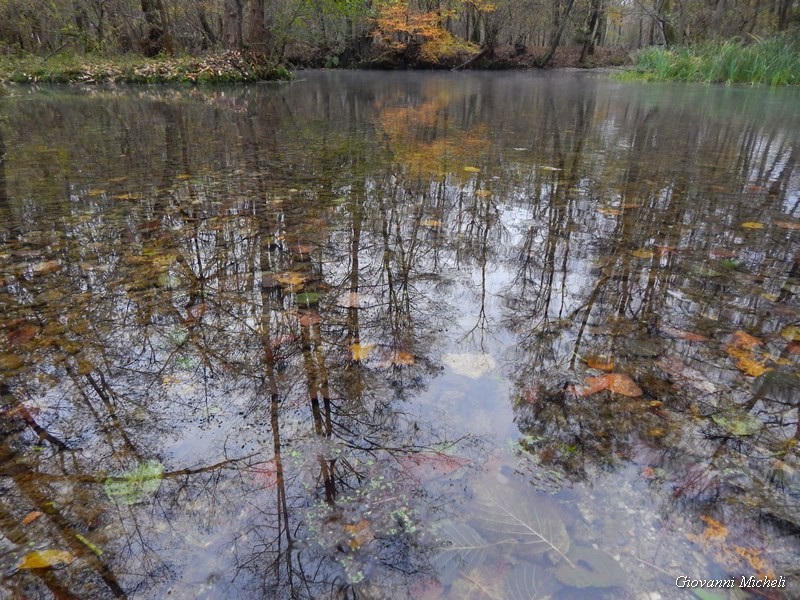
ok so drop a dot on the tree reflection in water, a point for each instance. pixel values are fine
(265, 291)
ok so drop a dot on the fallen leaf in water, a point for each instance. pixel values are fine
(31, 517)
(291, 279)
(546, 168)
(742, 339)
(793, 347)
(619, 383)
(361, 351)
(747, 362)
(398, 358)
(645, 253)
(472, 169)
(483, 193)
(609, 211)
(787, 225)
(752, 225)
(715, 540)
(600, 361)
(42, 559)
(426, 466)
(308, 318)
(432, 223)
(360, 534)
(791, 333)
(680, 334)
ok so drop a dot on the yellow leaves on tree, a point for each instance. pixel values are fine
(715, 541)
(405, 29)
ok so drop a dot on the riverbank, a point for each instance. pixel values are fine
(242, 67)
(222, 67)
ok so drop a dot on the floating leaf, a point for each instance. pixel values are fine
(308, 298)
(604, 362)
(308, 318)
(31, 517)
(361, 351)
(41, 559)
(290, 279)
(398, 358)
(645, 253)
(472, 169)
(752, 225)
(619, 383)
(742, 339)
(135, 485)
(791, 333)
(432, 223)
(470, 365)
(462, 548)
(590, 568)
(747, 362)
(787, 225)
(738, 422)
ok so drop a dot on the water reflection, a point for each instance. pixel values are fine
(399, 336)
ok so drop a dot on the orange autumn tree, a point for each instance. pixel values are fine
(419, 35)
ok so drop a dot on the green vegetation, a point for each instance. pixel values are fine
(222, 67)
(773, 61)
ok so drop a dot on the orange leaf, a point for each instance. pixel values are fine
(361, 351)
(31, 517)
(308, 318)
(746, 362)
(787, 225)
(619, 383)
(601, 361)
(42, 559)
(593, 386)
(742, 339)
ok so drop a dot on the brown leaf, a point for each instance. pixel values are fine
(308, 318)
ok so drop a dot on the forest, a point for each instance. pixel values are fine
(382, 33)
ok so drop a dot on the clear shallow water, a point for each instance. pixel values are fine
(399, 336)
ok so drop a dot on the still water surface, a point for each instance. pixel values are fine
(408, 336)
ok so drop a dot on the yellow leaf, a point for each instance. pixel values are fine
(45, 558)
(472, 169)
(746, 362)
(483, 193)
(609, 211)
(291, 279)
(791, 333)
(361, 351)
(643, 253)
(752, 225)
(432, 223)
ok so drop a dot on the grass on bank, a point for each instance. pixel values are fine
(223, 67)
(772, 61)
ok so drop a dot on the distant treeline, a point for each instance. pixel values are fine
(412, 32)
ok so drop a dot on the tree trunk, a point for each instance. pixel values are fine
(233, 24)
(542, 62)
(257, 34)
(591, 29)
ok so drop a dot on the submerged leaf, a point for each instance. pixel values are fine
(472, 169)
(590, 568)
(135, 485)
(530, 582)
(738, 422)
(42, 559)
(619, 383)
(603, 362)
(791, 333)
(462, 548)
(752, 225)
(31, 517)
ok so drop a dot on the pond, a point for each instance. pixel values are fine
(400, 335)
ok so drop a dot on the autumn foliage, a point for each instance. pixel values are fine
(417, 36)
